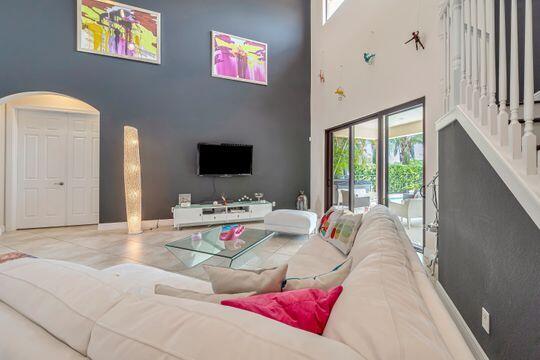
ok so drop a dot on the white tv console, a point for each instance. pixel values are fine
(196, 215)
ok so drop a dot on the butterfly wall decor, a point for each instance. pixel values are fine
(369, 58)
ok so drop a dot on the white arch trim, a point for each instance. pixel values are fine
(21, 95)
(8, 149)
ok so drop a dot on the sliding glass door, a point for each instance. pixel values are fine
(341, 165)
(365, 165)
(353, 180)
(405, 169)
(379, 159)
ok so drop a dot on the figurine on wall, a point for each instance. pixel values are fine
(340, 93)
(224, 198)
(322, 79)
(302, 201)
(369, 58)
(416, 38)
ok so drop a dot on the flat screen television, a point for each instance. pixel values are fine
(225, 160)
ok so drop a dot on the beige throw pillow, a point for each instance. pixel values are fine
(324, 281)
(161, 289)
(233, 281)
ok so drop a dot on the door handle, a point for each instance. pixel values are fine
(61, 183)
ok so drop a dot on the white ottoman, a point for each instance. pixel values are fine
(291, 222)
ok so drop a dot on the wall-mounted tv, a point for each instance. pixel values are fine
(225, 160)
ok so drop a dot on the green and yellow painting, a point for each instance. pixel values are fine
(115, 29)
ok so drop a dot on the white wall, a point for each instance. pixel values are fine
(399, 74)
(2, 164)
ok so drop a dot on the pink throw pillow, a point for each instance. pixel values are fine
(306, 309)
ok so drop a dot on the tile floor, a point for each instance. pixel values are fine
(103, 248)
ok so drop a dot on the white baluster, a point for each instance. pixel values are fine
(515, 126)
(468, 54)
(444, 59)
(449, 63)
(503, 117)
(475, 58)
(529, 138)
(492, 109)
(463, 37)
(483, 101)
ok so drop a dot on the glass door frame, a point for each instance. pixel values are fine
(329, 160)
(382, 154)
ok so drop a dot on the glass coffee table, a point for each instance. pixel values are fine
(207, 247)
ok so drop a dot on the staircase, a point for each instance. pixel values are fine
(507, 132)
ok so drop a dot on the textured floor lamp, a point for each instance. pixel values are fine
(132, 179)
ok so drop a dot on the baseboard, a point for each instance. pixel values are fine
(146, 224)
(466, 332)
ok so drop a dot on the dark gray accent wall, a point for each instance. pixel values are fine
(489, 250)
(176, 104)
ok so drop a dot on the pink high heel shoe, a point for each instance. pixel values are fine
(232, 234)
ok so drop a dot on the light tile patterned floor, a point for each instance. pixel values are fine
(103, 248)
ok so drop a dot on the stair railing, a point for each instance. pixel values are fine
(470, 73)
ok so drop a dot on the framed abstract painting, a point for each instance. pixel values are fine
(240, 59)
(110, 28)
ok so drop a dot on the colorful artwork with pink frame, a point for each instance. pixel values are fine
(239, 59)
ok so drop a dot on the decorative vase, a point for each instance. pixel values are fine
(301, 201)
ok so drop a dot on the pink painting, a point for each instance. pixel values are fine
(239, 59)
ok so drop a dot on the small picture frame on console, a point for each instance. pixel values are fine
(184, 200)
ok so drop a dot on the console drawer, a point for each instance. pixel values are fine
(238, 216)
(187, 216)
(214, 217)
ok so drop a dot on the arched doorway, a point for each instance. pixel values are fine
(50, 161)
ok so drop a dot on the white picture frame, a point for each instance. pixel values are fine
(215, 73)
(80, 47)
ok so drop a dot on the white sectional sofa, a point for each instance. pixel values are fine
(388, 310)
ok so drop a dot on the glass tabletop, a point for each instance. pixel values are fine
(208, 242)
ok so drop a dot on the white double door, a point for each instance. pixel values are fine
(57, 169)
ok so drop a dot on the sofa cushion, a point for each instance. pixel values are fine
(142, 279)
(162, 327)
(232, 281)
(325, 281)
(64, 298)
(199, 296)
(378, 233)
(382, 315)
(316, 256)
(21, 339)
